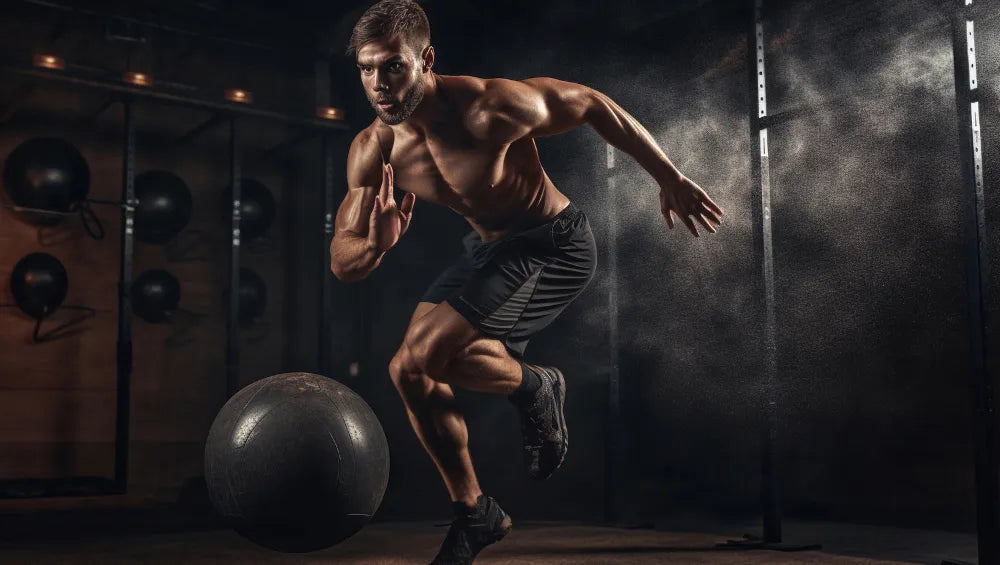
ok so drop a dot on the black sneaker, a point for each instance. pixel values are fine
(543, 425)
(472, 530)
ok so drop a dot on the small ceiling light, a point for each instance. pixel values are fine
(330, 113)
(138, 79)
(50, 62)
(241, 96)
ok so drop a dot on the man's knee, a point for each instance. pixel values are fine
(407, 376)
(427, 351)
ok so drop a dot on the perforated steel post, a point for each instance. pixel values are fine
(233, 320)
(967, 101)
(124, 342)
(614, 449)
(326, 277)
(764, 250)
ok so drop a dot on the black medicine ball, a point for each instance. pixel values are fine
(164, 208)
(256, 208)
(252, 296)
(155, 293)
(39, 284)
(46, 173)
(296, 462)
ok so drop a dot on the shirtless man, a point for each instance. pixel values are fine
(468, 143)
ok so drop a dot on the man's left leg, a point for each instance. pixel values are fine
(445, 343)
(511, 289)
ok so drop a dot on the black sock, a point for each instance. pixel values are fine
(461, 509)
(530, 383)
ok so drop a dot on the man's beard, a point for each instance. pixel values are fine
(402, 110)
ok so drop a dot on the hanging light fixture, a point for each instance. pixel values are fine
(49, 61)
(330, 113)
(239, 95)
(138, 79)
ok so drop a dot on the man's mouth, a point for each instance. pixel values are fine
(384, 105)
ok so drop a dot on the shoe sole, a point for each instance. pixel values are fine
(506, 525)
(562, 415)
(560, 386)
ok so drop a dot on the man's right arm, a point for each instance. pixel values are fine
(353, 256)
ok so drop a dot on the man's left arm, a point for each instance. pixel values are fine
(539, 107)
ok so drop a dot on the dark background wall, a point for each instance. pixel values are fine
(58, 414)
(872, 385)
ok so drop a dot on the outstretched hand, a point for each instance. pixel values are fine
(389, 222)
(686, 199)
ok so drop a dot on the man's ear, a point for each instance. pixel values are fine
(428, 57)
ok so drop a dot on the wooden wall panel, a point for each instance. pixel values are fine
(57, 399)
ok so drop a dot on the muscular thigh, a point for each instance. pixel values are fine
(438, 333)
(440, 326)
(421, 309)
(421, 324)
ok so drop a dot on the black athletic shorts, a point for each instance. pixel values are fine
(515, 285)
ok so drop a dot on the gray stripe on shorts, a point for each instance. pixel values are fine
(504, 318)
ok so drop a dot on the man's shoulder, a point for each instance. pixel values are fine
(371, 140)
(368, 136)
(463, 84)
(489, 103)
(480, 93)
(365, 155)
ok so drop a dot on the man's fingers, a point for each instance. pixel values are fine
(390, 196)
(669, 217)
(709, 209)
(713, 206)
(373, 217)
(385, 191)
(711, 216)
(690, 225)
(406, 211)
(406, 206)
(686, 204)
(385, 182)
(705, 223)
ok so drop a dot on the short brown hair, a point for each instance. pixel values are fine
(387, 19)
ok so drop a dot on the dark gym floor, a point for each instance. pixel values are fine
(528, 544)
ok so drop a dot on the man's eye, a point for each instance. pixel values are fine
(395, 67)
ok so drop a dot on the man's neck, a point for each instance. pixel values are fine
(429, 109)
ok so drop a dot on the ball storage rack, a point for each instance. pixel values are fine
(327, 124)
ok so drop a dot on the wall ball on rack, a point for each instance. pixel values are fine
(155, 294)
(39, 284)
(165, 206)
(256, 208)
(252, 296)
(46, 173)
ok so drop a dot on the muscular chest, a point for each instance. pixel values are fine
(448, 168)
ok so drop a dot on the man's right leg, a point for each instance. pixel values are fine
(435, 417)
(437, 421)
